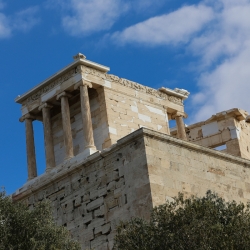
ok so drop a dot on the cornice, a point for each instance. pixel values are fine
(179, 93)
(57, 79)
(83, 66)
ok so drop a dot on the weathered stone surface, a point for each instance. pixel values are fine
(95, 204)
(156, 167)
(227, 131)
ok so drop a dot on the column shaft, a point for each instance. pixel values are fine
(66, 127)
(181, 133)
(30, 147)
(48, 138)
(86, 117)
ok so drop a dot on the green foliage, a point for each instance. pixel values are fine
(194, 223)
(24, 229)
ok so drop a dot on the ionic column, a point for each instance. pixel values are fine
(48, 136)
(30, 145)
(68, 143)
(181, 133)
(86, 114)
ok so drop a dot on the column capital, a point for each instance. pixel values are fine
(248, 118)
(27, 116)
(45, 105)
(63, 94)
(83, 82)
(179, 114)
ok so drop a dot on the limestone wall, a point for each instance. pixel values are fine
(91, 198)
(145, 168)
(178, 166)
(128, 111)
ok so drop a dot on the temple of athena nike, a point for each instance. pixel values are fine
(111, 155)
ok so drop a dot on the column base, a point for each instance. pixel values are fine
(83, 155)
(89, 151)
(48, 170)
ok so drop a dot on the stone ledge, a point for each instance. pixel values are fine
(195, 147)
(76, 162)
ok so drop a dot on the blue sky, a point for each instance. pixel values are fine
(201, 46)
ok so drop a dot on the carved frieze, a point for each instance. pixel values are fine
(50, 86)
(90, 71)
(175, 99)
(113, 78)
(136, 86)
(131, 84)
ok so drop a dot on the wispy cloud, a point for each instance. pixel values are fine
(218, 34)
(25, 19)
(224, 50)
(5, 29)
(22, 21)
(84, 17)
(171, 28)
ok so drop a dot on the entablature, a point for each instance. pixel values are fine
(96, 74)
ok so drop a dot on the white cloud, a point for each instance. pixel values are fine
(224, 50)
(21, 21)
(89, 16)
(171, 28)
(85, 17)
(225, 87)
(5, 29)
(25, 19)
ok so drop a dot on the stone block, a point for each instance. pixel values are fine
(99, 241)
(87, 218)
(93, 194)
(99, 212)
(97, 222)
(111, 185)
(95, 204)
(106, 228)
(102, 191)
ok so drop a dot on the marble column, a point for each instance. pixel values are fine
(48, 136)
(30, 145)
(181, 132)
(86, 115)
(68, 142)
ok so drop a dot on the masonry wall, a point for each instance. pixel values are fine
(146, 168)
(92, 197)
(178, 166)
(129, 110)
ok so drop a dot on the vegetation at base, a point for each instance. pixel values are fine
(24, 229)
(184, 224)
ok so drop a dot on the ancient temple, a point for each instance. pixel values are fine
(110, 154)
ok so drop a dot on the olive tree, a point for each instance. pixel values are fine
(25, 229)
(193, 223)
